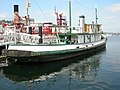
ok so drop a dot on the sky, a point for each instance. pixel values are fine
(44, 11)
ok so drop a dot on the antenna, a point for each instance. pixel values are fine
(96, 18)
(27, 16)
(70, 19)
(55, 9)
(56, 12)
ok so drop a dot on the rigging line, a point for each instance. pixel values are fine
(41, 10)
(6, 18)
(83, 5)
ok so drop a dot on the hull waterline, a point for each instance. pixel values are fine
(57, 57)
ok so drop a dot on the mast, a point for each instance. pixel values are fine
(96, 23)
(27, 16)
(56, 16)
(96, 18)
(70, 16)
(69, 20)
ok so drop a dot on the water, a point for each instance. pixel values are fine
(96, 72)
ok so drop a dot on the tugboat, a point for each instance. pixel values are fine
(55, 42)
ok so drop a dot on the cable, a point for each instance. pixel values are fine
(83, 5)
(2, 18)
(41, 10)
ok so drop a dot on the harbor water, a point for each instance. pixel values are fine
(100, 71)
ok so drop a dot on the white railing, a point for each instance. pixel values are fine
(13, 38)
(28, 38)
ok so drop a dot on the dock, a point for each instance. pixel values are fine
(3, 61)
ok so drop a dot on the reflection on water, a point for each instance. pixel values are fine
(19, 73)
(52, 73)
(94, 72)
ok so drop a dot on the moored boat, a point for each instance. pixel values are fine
(55, 42)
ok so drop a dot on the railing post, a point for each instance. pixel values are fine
(40, 34)
(30, 30)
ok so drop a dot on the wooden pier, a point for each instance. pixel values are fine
(15, 53)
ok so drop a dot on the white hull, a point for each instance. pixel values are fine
(43, 48)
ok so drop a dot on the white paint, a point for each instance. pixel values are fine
(81, 39)
(82, 24)
(44, 48)
(55, 47)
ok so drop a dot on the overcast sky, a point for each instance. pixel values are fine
(43, 11)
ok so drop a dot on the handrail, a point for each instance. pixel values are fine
(13, 38)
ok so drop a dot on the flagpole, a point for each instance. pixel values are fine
(70, 15)
(27, 17)
(96, 18)
(70, 19)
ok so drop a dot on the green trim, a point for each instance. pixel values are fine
(76, 34)
(20, 44)
(57, 52)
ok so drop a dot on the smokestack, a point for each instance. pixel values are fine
(82, 23)
(16, 8)
(16, 15)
